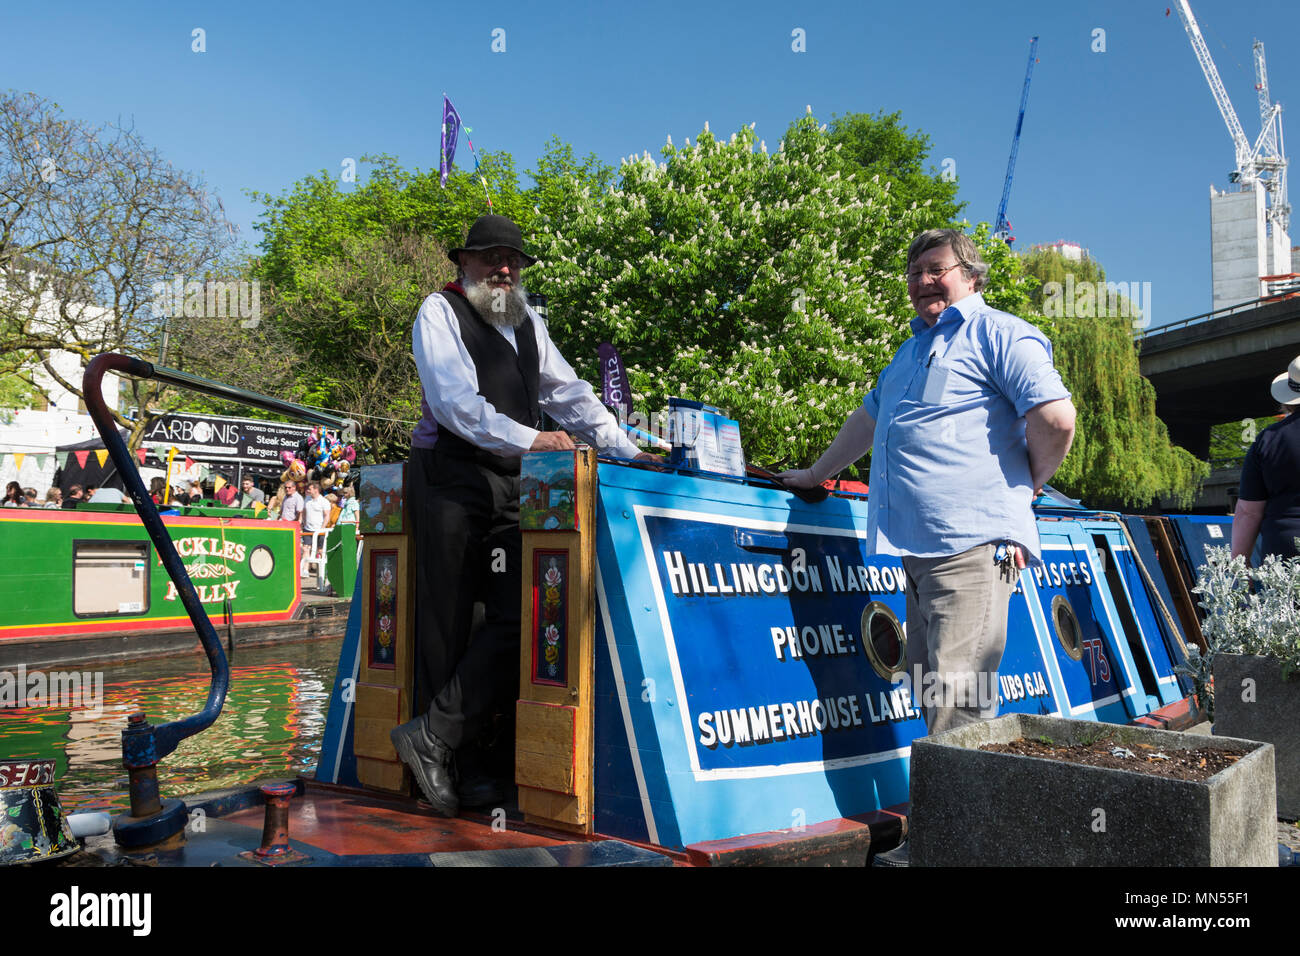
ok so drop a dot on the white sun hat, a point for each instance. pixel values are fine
(1286, 387)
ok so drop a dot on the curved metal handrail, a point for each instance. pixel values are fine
(141, 744)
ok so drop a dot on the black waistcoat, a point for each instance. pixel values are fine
(506, 378)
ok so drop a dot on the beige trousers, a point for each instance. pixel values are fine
(956, 633)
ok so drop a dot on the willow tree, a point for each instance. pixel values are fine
(1122, 454)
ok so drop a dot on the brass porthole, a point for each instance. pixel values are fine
(1067, 627)
(883, 639)
(261, 562)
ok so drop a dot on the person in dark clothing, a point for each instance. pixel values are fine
(488, 369)
(1269, 499)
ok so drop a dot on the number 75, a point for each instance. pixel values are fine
(1097, 660)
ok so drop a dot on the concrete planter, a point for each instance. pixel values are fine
(974, 808)
(1251, 700)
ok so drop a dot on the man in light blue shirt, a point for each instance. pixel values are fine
(965, 425)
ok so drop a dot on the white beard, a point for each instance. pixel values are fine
(498, 306)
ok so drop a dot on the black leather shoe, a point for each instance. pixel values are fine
(482, 791)
(898, 856)
(429, 760)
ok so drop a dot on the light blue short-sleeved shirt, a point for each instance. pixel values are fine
(949, 463)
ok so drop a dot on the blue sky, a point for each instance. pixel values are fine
(1118, 152)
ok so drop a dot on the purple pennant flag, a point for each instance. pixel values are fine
(450, 133)
(613, 380)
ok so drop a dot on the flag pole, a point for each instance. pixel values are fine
(447, 152)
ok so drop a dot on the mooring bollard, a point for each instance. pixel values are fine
(275, 847)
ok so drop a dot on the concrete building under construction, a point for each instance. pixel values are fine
(1246, 250)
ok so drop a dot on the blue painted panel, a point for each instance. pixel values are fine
(338, 761)
(1098, 685)
(620, 806)
(1154, 637)
(698, 584)
(1171, 635)
(1196, 533)
(692, 656)
(1028, 681)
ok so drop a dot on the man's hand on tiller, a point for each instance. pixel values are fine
(552, 441)
(798, 478)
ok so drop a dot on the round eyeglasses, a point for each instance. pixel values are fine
(934, 275)
(494, 258)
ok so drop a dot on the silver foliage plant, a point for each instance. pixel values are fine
(1248, 611)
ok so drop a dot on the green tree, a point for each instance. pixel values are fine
(346, 269)
(881, 146)
(315, 217)
(1048, 265)
(15, 393)
(1121, 455)
(559, 178)
(1230, 441)
(357, 308)
(1009, 285)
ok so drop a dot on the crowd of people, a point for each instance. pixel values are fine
(16, 496)
(315, 511)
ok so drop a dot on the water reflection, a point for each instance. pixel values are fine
(271, 725)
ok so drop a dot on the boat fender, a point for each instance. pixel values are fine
(89, 824)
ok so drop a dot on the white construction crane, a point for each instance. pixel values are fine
(1271, 154)
(1259, 166)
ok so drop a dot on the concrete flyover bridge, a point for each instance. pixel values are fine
(1217, 367)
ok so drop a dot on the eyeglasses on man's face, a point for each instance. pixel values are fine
(933, 274)
(494, 258)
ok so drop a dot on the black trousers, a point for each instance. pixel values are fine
(465, 523)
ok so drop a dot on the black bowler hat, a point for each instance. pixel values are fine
(488, 232)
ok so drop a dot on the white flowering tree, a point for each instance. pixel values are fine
(768, 284)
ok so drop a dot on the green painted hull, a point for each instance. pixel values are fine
(94, 571)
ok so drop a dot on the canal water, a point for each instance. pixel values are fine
(271, 726)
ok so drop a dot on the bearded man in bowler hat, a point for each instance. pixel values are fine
(488, 370)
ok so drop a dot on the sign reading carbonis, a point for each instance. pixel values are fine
(219, 440)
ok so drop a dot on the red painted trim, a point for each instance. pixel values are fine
(75, 516)
(536, 637)
(1176, 716)
(706, 853)
(372, 622)
(104, 626)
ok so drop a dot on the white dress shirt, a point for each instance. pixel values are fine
(451, 397)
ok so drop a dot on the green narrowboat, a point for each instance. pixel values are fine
(91, 577)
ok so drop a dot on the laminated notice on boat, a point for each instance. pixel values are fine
(130, 607)
(704, 439)
(1214, 530)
